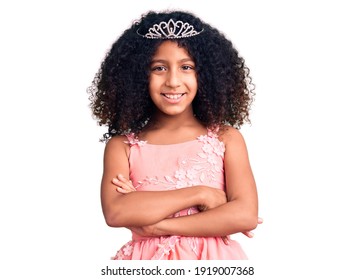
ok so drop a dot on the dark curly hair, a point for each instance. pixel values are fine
(119, 94)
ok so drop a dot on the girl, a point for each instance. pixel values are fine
(173, 91)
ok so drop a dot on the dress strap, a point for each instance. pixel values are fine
(213, 132)
(134, 140)
(131, 138)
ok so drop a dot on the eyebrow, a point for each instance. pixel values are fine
(165, 61)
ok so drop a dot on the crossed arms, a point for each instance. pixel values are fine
(148, 213)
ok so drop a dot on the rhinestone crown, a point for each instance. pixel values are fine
(170, 30)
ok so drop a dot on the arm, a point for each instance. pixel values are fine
(125, 186)
(239, 214)
(136, 209)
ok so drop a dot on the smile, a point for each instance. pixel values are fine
(173, 96)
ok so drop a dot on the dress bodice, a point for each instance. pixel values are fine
(173, 166)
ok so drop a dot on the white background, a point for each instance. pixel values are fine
(300, 143)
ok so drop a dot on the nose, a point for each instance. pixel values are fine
(173, 79)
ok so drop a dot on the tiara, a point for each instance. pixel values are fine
(170, 30)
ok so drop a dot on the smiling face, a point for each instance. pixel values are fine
(173, 80)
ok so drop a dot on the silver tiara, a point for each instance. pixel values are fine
(170, 30)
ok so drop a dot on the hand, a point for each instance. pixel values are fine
(144, 231)
(124, 185)
(211, 198)
(250, 234)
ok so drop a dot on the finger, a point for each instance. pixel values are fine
(226, 240)
(129, 183)
(122, 178)
(120, 184)
(115, 181)
(260, 220)
(126, 185)
(121, 190)
(249, 234)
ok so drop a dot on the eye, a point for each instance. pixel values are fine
(158, 68)
(187, 67)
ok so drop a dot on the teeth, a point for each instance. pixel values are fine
(173, 96)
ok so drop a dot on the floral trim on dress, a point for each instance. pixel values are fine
(125, 252)
(164, 248)
(191, 171)
(133, 140)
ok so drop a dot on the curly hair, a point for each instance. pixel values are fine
(119, 94)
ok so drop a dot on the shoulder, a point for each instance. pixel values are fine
(230, 136)
(236, 153)
(117, 145)
(117, 141)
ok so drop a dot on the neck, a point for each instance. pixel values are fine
(160, 120)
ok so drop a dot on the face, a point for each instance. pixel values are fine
(173, 79)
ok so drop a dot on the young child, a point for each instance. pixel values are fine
(173, 92)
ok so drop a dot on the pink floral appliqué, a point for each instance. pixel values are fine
(125, 252)
(166, 246)
(133, 140)
(196, 170)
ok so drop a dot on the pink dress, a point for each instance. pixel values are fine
(169, 167)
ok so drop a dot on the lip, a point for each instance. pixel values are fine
(173, 98)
